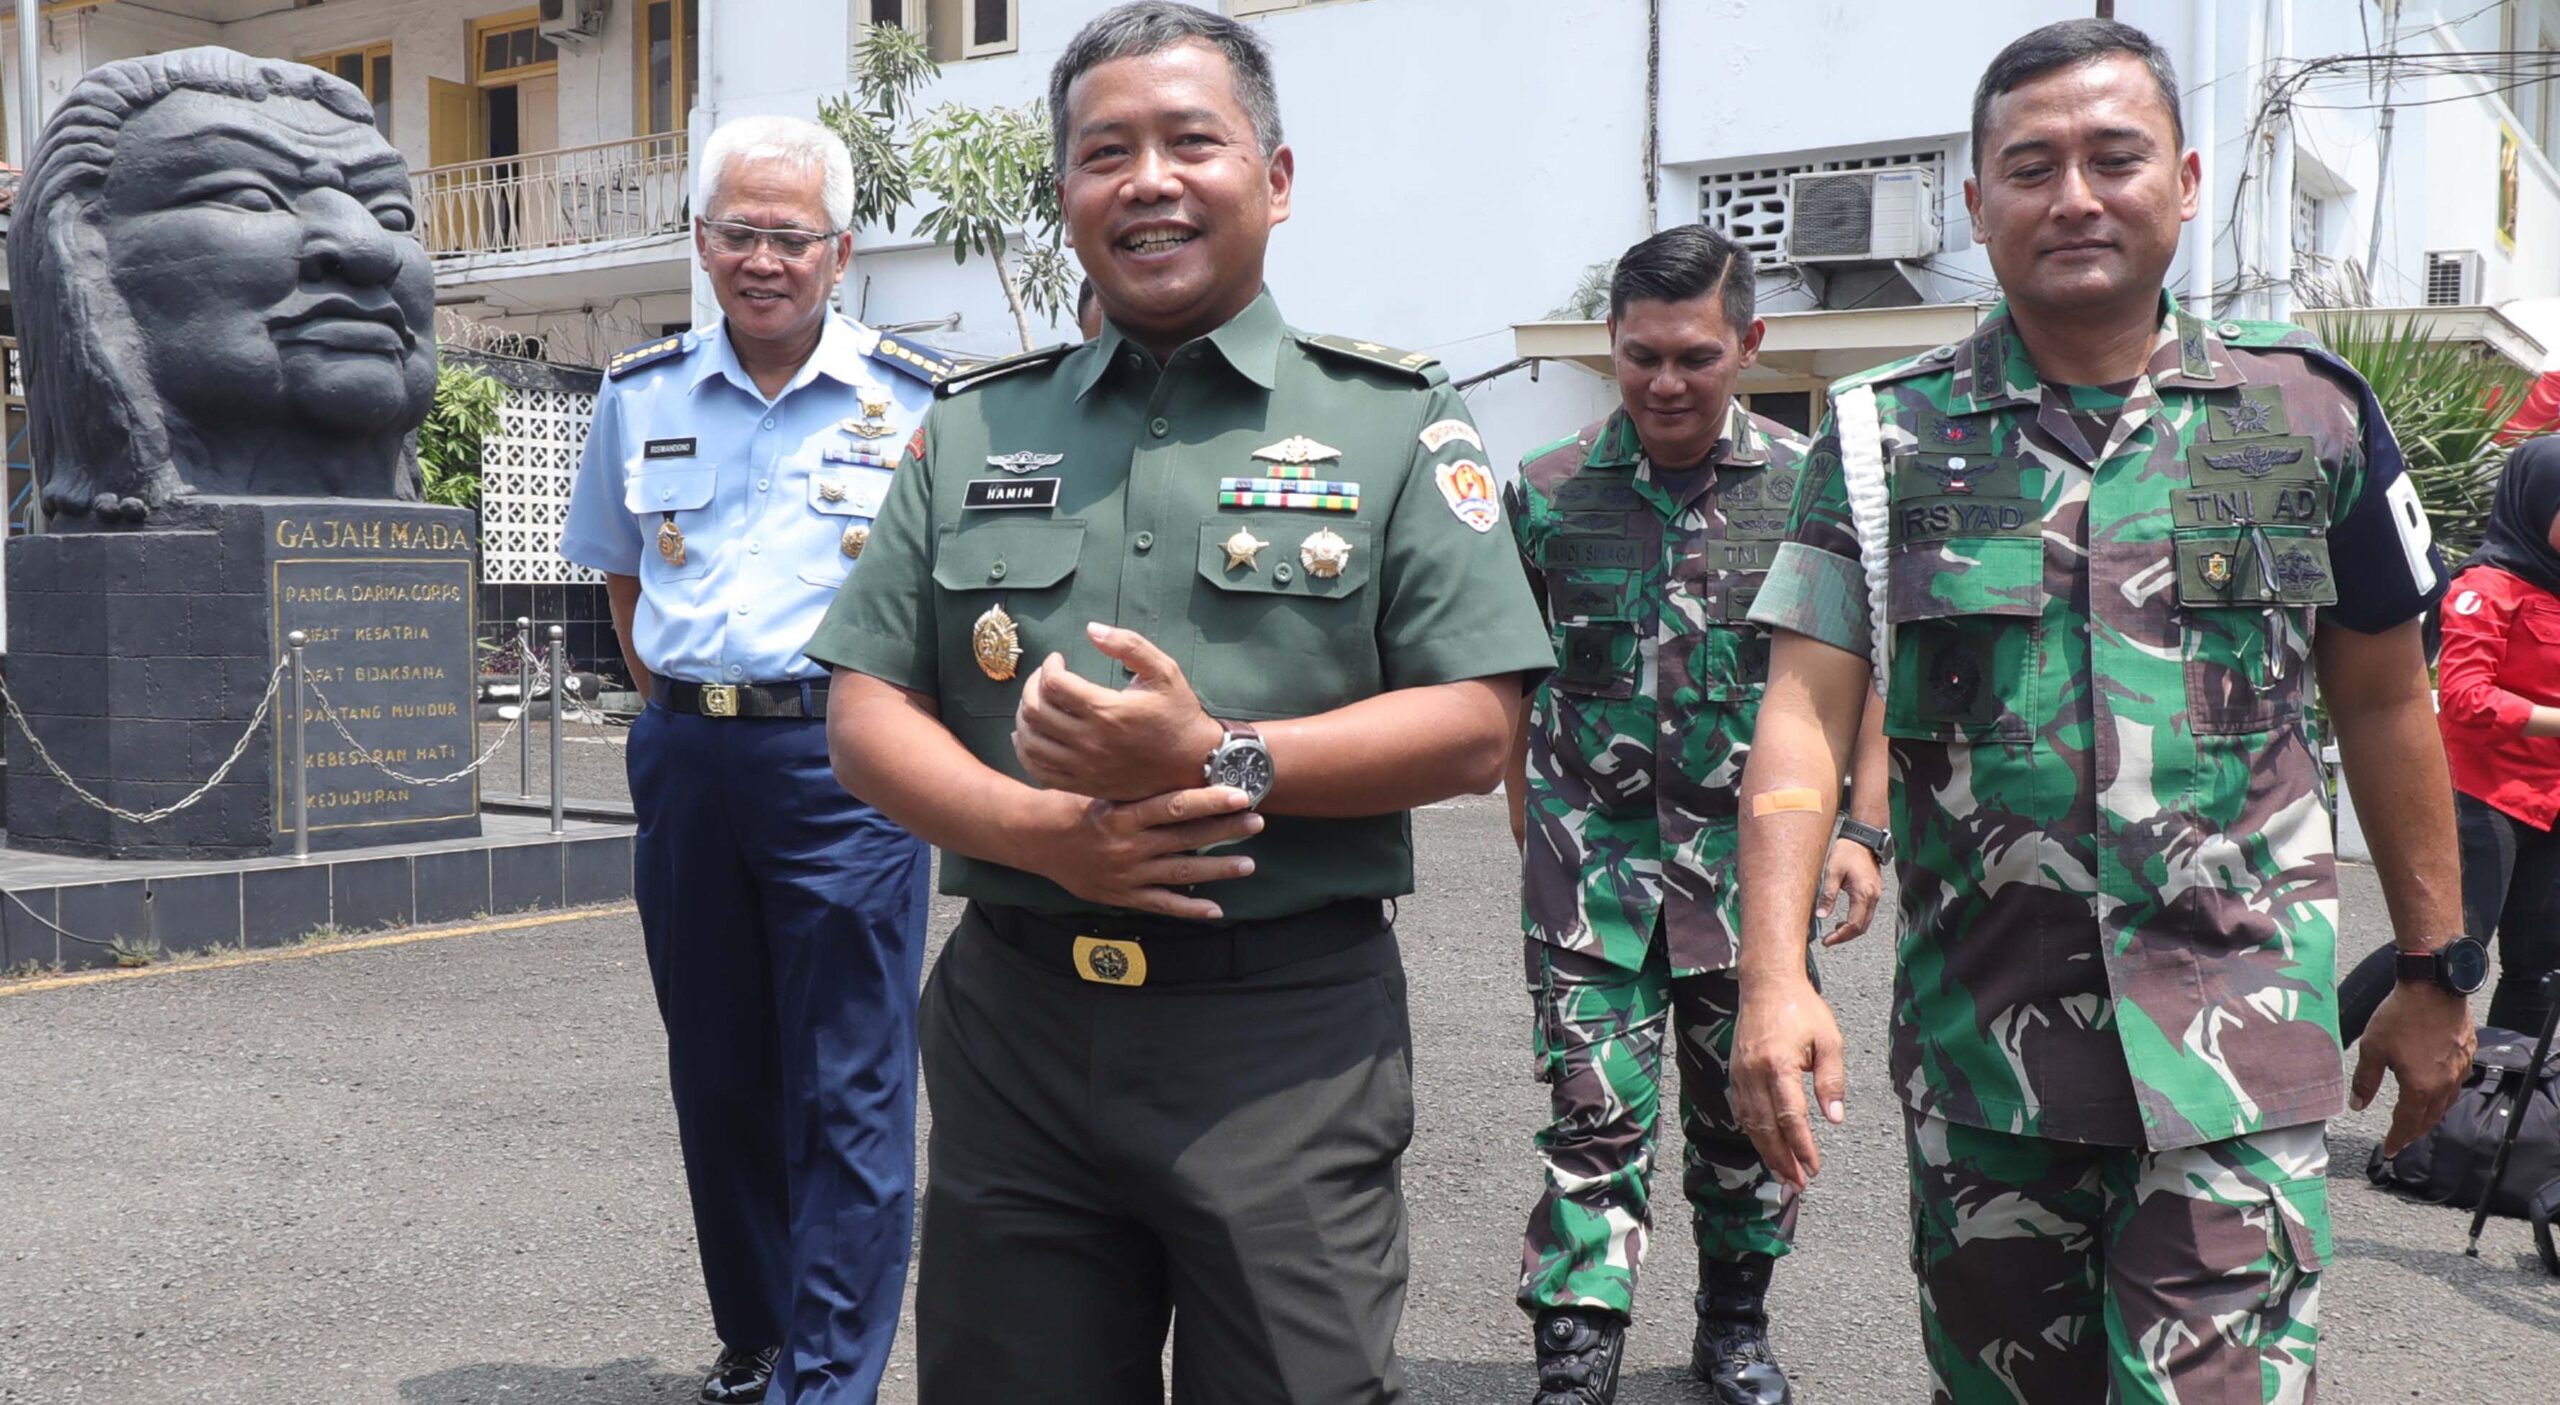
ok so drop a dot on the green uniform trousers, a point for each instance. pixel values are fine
(1222, 1154)
(1599, 1051)
(2055, 1273)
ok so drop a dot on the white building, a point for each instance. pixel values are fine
(1461, 162)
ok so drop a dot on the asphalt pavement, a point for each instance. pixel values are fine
(445, 1172)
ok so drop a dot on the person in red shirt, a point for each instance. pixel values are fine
(2498, 681)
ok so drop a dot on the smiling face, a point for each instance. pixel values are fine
(765, 298)
(264, 248)
(1168, 198)
(2082, 191)
(1677, 363)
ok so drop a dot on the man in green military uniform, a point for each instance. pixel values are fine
(1167, 1047)
(1646, 537)
(2095, 556)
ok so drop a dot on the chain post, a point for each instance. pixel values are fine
(524, 707)
(559, 690)
(301, 754)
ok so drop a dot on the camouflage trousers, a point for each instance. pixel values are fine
(1599, 1051)
(2054, 1273)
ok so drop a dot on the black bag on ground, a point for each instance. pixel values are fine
(2450, 1165)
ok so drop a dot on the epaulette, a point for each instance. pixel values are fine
(971, 377)
(917, 360)
(1420, 365)
(1935, 361)
(2259, 335)
(645, 354)
(1543, 450)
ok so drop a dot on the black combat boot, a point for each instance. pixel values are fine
(1578, 1351)
(1732, 1351)
(739, 1377)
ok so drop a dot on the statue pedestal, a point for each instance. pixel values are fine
(139, 658)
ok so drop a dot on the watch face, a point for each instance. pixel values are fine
(2466, 965)
(1245, 766)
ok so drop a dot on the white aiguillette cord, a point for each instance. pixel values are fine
(1871, 510)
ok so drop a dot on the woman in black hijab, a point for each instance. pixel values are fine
(2498, 685)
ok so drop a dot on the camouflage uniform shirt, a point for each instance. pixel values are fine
(2119, 896)
(1636, 741)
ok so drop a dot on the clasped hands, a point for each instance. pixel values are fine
(1130, 761)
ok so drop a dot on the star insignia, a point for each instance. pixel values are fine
(2248, 417)
(1242, 549)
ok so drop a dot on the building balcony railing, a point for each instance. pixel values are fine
(614, 190)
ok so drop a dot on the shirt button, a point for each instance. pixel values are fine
(742, 609)
(1160, 426)
(1133, 360)
(763, 483)
(754, 547)
(768, 424)
(996, 572)
(1282, 573)
(666, 493)
(735, 670)
(1144, 541)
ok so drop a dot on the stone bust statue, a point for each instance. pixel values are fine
(219, 291)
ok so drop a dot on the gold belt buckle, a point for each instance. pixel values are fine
(1106, 962)
(719, 700)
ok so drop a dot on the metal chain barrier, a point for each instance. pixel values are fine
(266, 701)
(329, 712)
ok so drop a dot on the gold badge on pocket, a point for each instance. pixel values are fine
(997, 643)
(671, 541)
(855, 539)
(1325, 553)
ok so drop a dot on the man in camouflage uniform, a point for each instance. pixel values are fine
(1646, 536)
(2088, 552)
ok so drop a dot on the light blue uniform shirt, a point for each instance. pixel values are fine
(763, 492)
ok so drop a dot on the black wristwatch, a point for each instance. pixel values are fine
(2459, 967)
(1878, 842)
(1242, 761)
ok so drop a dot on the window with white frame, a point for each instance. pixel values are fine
(1749, 203)
(952, 29)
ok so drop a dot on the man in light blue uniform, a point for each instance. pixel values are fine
(727, 492)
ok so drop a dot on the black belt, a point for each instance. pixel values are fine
(1140, 951)
(807, 699)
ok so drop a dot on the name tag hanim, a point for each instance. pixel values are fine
(1000, 494)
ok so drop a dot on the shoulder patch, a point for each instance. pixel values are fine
(966, 377)
(645, 354)
(1422, 366)
(917, 360)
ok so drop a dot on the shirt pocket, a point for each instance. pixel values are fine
(1968, 639)
(843, 501)
(2247, 598)
(659, 497)
(1026, 567)
(1593, 631)
(1273, 638)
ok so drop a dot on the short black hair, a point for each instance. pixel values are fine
(1684, 262)
(1144, 27)
(2067, 44)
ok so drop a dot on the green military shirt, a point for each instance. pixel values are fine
(1301, 522)
(2118, 877)
(1637, 741)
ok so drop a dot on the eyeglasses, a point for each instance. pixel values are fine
(789, 245)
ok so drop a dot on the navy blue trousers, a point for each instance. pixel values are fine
(785, 928)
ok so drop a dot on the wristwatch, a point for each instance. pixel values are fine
(1242, 761)
(2459, 967)
(1878, 842)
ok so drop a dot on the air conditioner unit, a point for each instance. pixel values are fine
(571, 21)
(1874, 216)
(2453, 277)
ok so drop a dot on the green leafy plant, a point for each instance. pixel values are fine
(465, 413)
(1589, 300)
(2446, 401)
(986, 170)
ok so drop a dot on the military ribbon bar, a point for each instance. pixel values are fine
(1329, 486)
(1319, 502)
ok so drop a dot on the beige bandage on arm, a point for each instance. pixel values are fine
(1785, 801)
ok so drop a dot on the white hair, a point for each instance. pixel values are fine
(797, 140)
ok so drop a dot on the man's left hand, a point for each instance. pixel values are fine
(1849, 877)
(2424, 1036)
(1118, 744)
